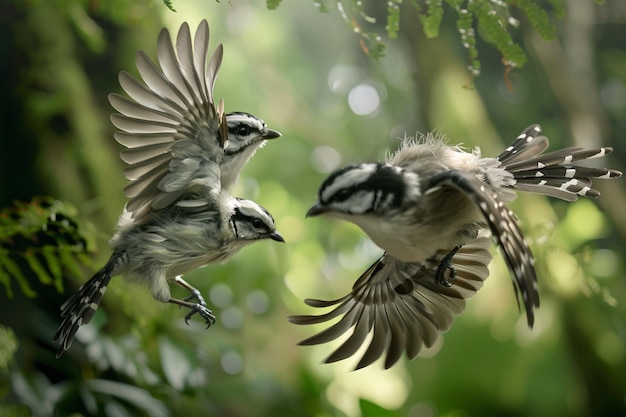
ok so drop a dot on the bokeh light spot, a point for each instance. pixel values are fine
(221, 295)
(325, 159)
(364, 100)
(232, 362)
(257, 302)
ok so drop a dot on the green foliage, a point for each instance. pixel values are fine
(8, 347)
(169, 5)
(494, 26)
(137, 357)
(538, 19)
(431, 20)
(353, 13)
(393, 18)
(41, 237)
(273, 4)
(494, 18)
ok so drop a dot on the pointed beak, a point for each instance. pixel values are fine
(277, 237)
(272, 134)
(316, 210)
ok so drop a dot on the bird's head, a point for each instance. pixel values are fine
(246, 133)
(252, 222)
(364, 189)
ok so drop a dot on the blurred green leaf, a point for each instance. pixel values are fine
(273, 4)
(138, 397)
(176, 364)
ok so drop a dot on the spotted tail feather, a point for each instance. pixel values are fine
(554, 173)
(80, 308)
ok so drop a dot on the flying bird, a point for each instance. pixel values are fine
(183, 155)
(428, 207)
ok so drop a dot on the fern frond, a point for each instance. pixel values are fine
(495, 30)
(168, 4)
(40, 239)
(393, 19)
(538, 19)
(431, 20)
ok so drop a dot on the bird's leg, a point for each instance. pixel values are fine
(446, 263)
(199, 306)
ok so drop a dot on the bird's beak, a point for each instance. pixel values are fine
(316, 210)
(277, 237)
(272, 134)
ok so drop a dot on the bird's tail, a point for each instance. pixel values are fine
(81, 306)
(554, 173)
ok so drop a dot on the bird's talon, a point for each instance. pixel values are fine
(446, 263)
(205, 313)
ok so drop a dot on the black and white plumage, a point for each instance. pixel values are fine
(430, 199)
(400, 303)
(160, 251)
(174, 132)
(183, 154)
(246, 134)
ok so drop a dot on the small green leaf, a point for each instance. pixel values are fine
(538, 19)
(131, 394)
(273, 4)
(558, 7)
(35, 265)
(497, 33)
(393, 20)
(14, 271)
(52, 262)
(69, 262)
(169, 5)
(5, 279)
(431, 21)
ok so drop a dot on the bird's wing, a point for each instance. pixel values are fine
(400, 304)
(504, 227)
(173, 129)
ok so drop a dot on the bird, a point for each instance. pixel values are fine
(184, 153)
(156, 253)
(428, 206)
(246, 134)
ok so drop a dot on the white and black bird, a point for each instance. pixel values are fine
(246, 134)
(183, 154)
(426, 207)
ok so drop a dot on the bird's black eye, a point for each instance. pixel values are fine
(242, 130)
(342, 195)
(257, 223)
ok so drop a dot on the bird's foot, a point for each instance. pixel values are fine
(203, 310)
(446, 265)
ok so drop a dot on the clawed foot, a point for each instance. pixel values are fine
(197, 307)
(446, 264)
(205, 313)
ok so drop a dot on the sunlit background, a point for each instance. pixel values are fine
(305, 73)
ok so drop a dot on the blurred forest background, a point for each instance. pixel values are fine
(306, 74)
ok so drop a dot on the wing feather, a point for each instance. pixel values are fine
(399, 305)
(171, 124)
(505, 229)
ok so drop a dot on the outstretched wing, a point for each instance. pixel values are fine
(400, 304)
(174, 132)
(503, 224)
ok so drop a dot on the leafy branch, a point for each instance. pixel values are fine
(41, 237)
(494, 18)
